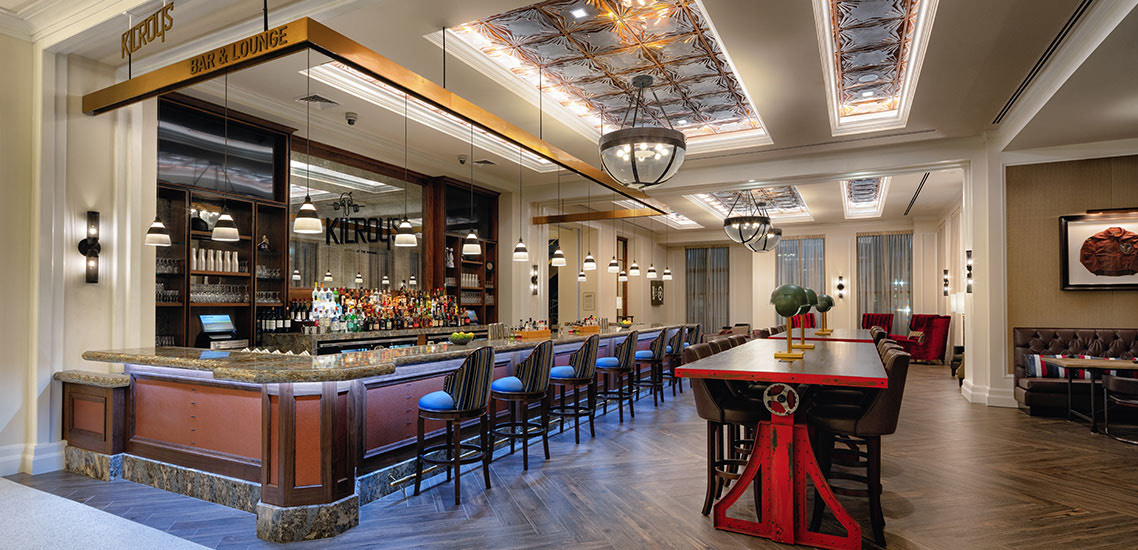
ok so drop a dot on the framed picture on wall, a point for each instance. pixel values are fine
(1098, 252)
(657, 288)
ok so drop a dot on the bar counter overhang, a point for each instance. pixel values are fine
(302, 441)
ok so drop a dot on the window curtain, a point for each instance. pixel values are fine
(801, 262)
(885, 276)
(705, 281)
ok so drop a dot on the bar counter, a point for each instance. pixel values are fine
(336, 342)
(301, 440)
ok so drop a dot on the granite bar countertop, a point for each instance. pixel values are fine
(92, 378)
(269, 368)
(299, 341)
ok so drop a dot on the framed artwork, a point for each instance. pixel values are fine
(657, 289)
(1098, 252)
(588, 301)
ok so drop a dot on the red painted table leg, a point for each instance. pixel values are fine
(784, 458)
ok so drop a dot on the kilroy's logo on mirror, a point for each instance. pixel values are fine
(152, 28)
(348, 230)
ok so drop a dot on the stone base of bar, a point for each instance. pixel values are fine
(218, 489)
(92, 464)
(297, 523)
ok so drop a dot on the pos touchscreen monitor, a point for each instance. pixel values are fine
(217, 324)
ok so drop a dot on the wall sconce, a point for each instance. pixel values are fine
(968, 271)
(841, 287)
(89, 247)
(946, 282)
(533, 280)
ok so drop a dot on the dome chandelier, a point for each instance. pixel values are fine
(746, 221)
(642, 156)
(765, 242)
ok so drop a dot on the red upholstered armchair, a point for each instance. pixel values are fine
(797, 320)
(932, 345)
(883, 320)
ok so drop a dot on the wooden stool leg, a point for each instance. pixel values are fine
(619, 396)
(524, 406)
(592, 389)
(631, 392)
(605, 405)
(708, 498)
(457, 461)
(450, 442)
(545, 424)
(562, 429)
(419, 456)
(512, 414)
(719, 483)
(487, 448)
(577, 414)
(877, 518)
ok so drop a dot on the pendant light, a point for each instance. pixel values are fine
(651, 264)
(521, 253)
(623, 277)
(667, 276)
(614, 267)
(307, 222)
(646, 155)
(751, 222)
(225, 230)
(590, 263)
(328, 276)
(412, 281)
(359, 278)
(296, 274)
(404, 234)
(558, 259)
(581, 277)
(471, 246)
(157, 235)
(766, 242)
(385, 281)
(651, 272)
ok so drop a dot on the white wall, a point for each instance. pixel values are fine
(15, 248)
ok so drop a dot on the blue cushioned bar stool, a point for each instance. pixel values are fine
(614, 369)
(579, 373)
(654, 358)
(673, 356)
(695, 332)
(530, 383)
(463, 397)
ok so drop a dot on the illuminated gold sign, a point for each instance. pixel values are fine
(242, 49)
(150, 29)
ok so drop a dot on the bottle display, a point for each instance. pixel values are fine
(358, 310)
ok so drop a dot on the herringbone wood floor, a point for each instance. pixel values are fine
(956, 476)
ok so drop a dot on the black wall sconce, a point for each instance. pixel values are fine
(968, 271)
(946, 282)
(533, 274)
(89, 247)
(841, 287)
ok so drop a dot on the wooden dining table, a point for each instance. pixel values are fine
(782, 453)
(837, 335)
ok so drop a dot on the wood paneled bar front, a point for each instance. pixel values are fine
(303, 441)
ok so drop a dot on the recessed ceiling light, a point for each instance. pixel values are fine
(683, 121)
(579, 13)
(868, 77)
(867, 94)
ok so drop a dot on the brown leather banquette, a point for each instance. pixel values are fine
(1048, 396)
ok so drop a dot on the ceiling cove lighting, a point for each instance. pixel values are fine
(872, 54)
(157, 235)
(642, 156)
(358, 84)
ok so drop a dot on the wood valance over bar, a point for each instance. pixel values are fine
(600, 215)
(307, 33)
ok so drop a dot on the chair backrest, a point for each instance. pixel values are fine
(885, 345)
(883, 320)
(694, 332)
(763, 333)
(738, 340)
(657, 345)
(719, 344)
(584, 360)
(533, 371)
(469, 386)
(626, 350)
(880, 417)
(741, 328)
(798, 320)
(877, 333)
(696, 352)
(677, 340)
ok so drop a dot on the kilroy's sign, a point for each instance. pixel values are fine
(349, 230)
(152, 28)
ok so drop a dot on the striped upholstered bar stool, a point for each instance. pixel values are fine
(581, 372)
(463, 397)
(673, 356)
(654, 358)
(529, 384)
(614, 370)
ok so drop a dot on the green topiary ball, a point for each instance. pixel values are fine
(788, 300)
(825, 303)
(811, 297)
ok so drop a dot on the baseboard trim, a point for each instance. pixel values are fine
(44, 457)
(989, 396)
(11, 457)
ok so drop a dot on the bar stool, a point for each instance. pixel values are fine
(579, 373)
(654, 358)
(673, 353)
(695, 332)
(463, 397)
(727, 414)
(616, 367)
(530, 383)
(859, 426)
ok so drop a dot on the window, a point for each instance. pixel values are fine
(884, 276)
(801, 261)
(705, 283)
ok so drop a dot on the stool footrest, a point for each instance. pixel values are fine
(442, 448)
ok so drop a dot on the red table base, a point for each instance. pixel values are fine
(784, 457)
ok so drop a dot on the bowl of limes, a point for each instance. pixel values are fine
(461, 338)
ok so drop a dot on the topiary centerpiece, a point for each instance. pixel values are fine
(788, 301)
(825, 303)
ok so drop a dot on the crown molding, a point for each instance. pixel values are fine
(12, 25)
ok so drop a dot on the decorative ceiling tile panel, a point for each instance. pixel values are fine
(780, 202)
(589, 50)
(872, 51)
